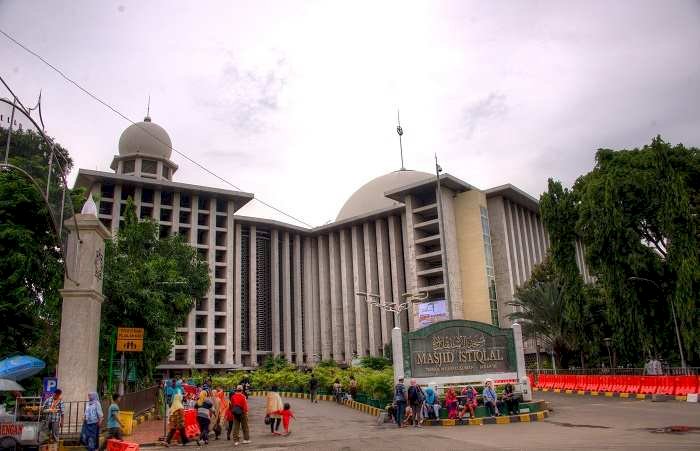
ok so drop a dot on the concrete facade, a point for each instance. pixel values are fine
(304, 293)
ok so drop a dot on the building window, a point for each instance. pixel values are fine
(128, 166)
(149, 166)
(147, 196)
(166, 172)
(185, 200)
(490, 273)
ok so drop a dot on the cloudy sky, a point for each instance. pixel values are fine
(296, 101)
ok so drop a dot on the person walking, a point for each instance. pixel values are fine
(53, 409)
(239, 412)
(287, 415)
(338, 391)
(215, 423)
(90, 435)
(114, 423)
(204, 410)
(273, 405)
(176, 421)
(352, 387)
(416, 397)
(400, 400)
(313, 388)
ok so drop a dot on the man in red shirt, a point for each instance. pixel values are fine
(238, 412)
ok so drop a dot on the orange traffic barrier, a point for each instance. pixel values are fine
(648, 385)
(191, 426)
(119, 445)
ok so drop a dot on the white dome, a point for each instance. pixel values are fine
(370, 197)
(145, 139)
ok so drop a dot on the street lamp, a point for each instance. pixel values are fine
(673, 313)
(607, 344)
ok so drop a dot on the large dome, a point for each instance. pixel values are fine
(370, 197)
(145, 139)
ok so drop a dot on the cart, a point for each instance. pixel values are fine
(26, 428)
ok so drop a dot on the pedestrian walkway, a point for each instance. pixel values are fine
(148, 432)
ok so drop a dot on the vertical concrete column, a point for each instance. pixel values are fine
(348, 294)
(175, 218)
(522, 219)
(517, 261)
(519, 242)
(359, 279)
(230, 279)
(451, 253)
(409, 239)
(519, 349)
(253, 295)
(372, 279)
(398, 281)
(408, 314)
(384, 273)
(397, 353)
(315, 304)
(211, 294)
(286, 297)
(156, 206)
(298, 312)
(534, 248)
(81, 309)
(275, 290)
(324, 297)
(191, 319)
(308, 302)
(237, 301)
(336, 297)
(137, 200)
(116, 208)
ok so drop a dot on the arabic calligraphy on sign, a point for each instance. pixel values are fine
(446, 342)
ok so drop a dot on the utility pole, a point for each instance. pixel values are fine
(399, 130)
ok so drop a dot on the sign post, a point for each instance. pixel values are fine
(129, 339)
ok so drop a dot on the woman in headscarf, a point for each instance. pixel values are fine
(451, 404)
(176, 420)
(204, 407)
(470, 401)
(91, 426)
(216, 414)
(274, 404)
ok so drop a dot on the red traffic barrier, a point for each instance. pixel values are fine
(119, 445)
(618, 384)
(666, 385)
(592, 383)
(633, 383)
(683, 385)
(648, 385)
(191, 426)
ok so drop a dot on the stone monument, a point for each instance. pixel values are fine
(82, 304)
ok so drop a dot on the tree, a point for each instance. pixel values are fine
(150, 283)
(31, 265)
(638, 218)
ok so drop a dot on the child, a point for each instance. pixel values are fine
(408, 416)
(287, 416)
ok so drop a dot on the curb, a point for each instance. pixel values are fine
(522, 418)
(607, 394)
(374, 411)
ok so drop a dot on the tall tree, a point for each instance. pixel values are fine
(150, 283)
(638, 219)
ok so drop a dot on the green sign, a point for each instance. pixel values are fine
(458, 348)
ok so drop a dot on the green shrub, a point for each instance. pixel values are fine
(375, 363)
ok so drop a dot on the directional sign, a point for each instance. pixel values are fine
(129, 339)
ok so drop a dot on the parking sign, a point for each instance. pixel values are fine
(50, 386)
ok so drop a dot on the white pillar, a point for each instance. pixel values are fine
(237, 326)
(348, 294)
(81, 310)
(275, 290)
(286, 298)
(359, 284)
(324, 298)
(523, 380)
(253, 294)
(297, 320)
(336, 296)
(397, 353)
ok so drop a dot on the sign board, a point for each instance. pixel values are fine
(458, 348)
(432, 312)
(129, 339)
(50, 384)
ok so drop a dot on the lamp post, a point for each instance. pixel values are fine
(607, 344)
(673, 313)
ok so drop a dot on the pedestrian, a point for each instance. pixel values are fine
(451, 404)
(338, 391)
(431, 406)
(90, 435)
(239, 413)
(352, 387)
(204, 411)
(53, 409)
(511, 400)
(400, 400)
(114, 423)
(215, 423)
(491, 399)
(470, 401)
(176, 421)
(274, 404)
(313, 388)
(170, 391)
(416, 397)
(287, 415)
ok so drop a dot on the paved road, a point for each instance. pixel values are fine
(578, 422)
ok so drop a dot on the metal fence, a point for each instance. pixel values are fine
(667, 371)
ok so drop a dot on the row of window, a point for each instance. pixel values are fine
(166, 197)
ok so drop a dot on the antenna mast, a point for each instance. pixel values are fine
(399, 130)
(148, 107)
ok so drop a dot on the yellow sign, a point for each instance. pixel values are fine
(129, 339)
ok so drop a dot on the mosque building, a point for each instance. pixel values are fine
(310, 294)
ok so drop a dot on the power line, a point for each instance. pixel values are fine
(126, 118)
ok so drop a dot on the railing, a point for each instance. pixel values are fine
(667, 371)
(138, 402)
